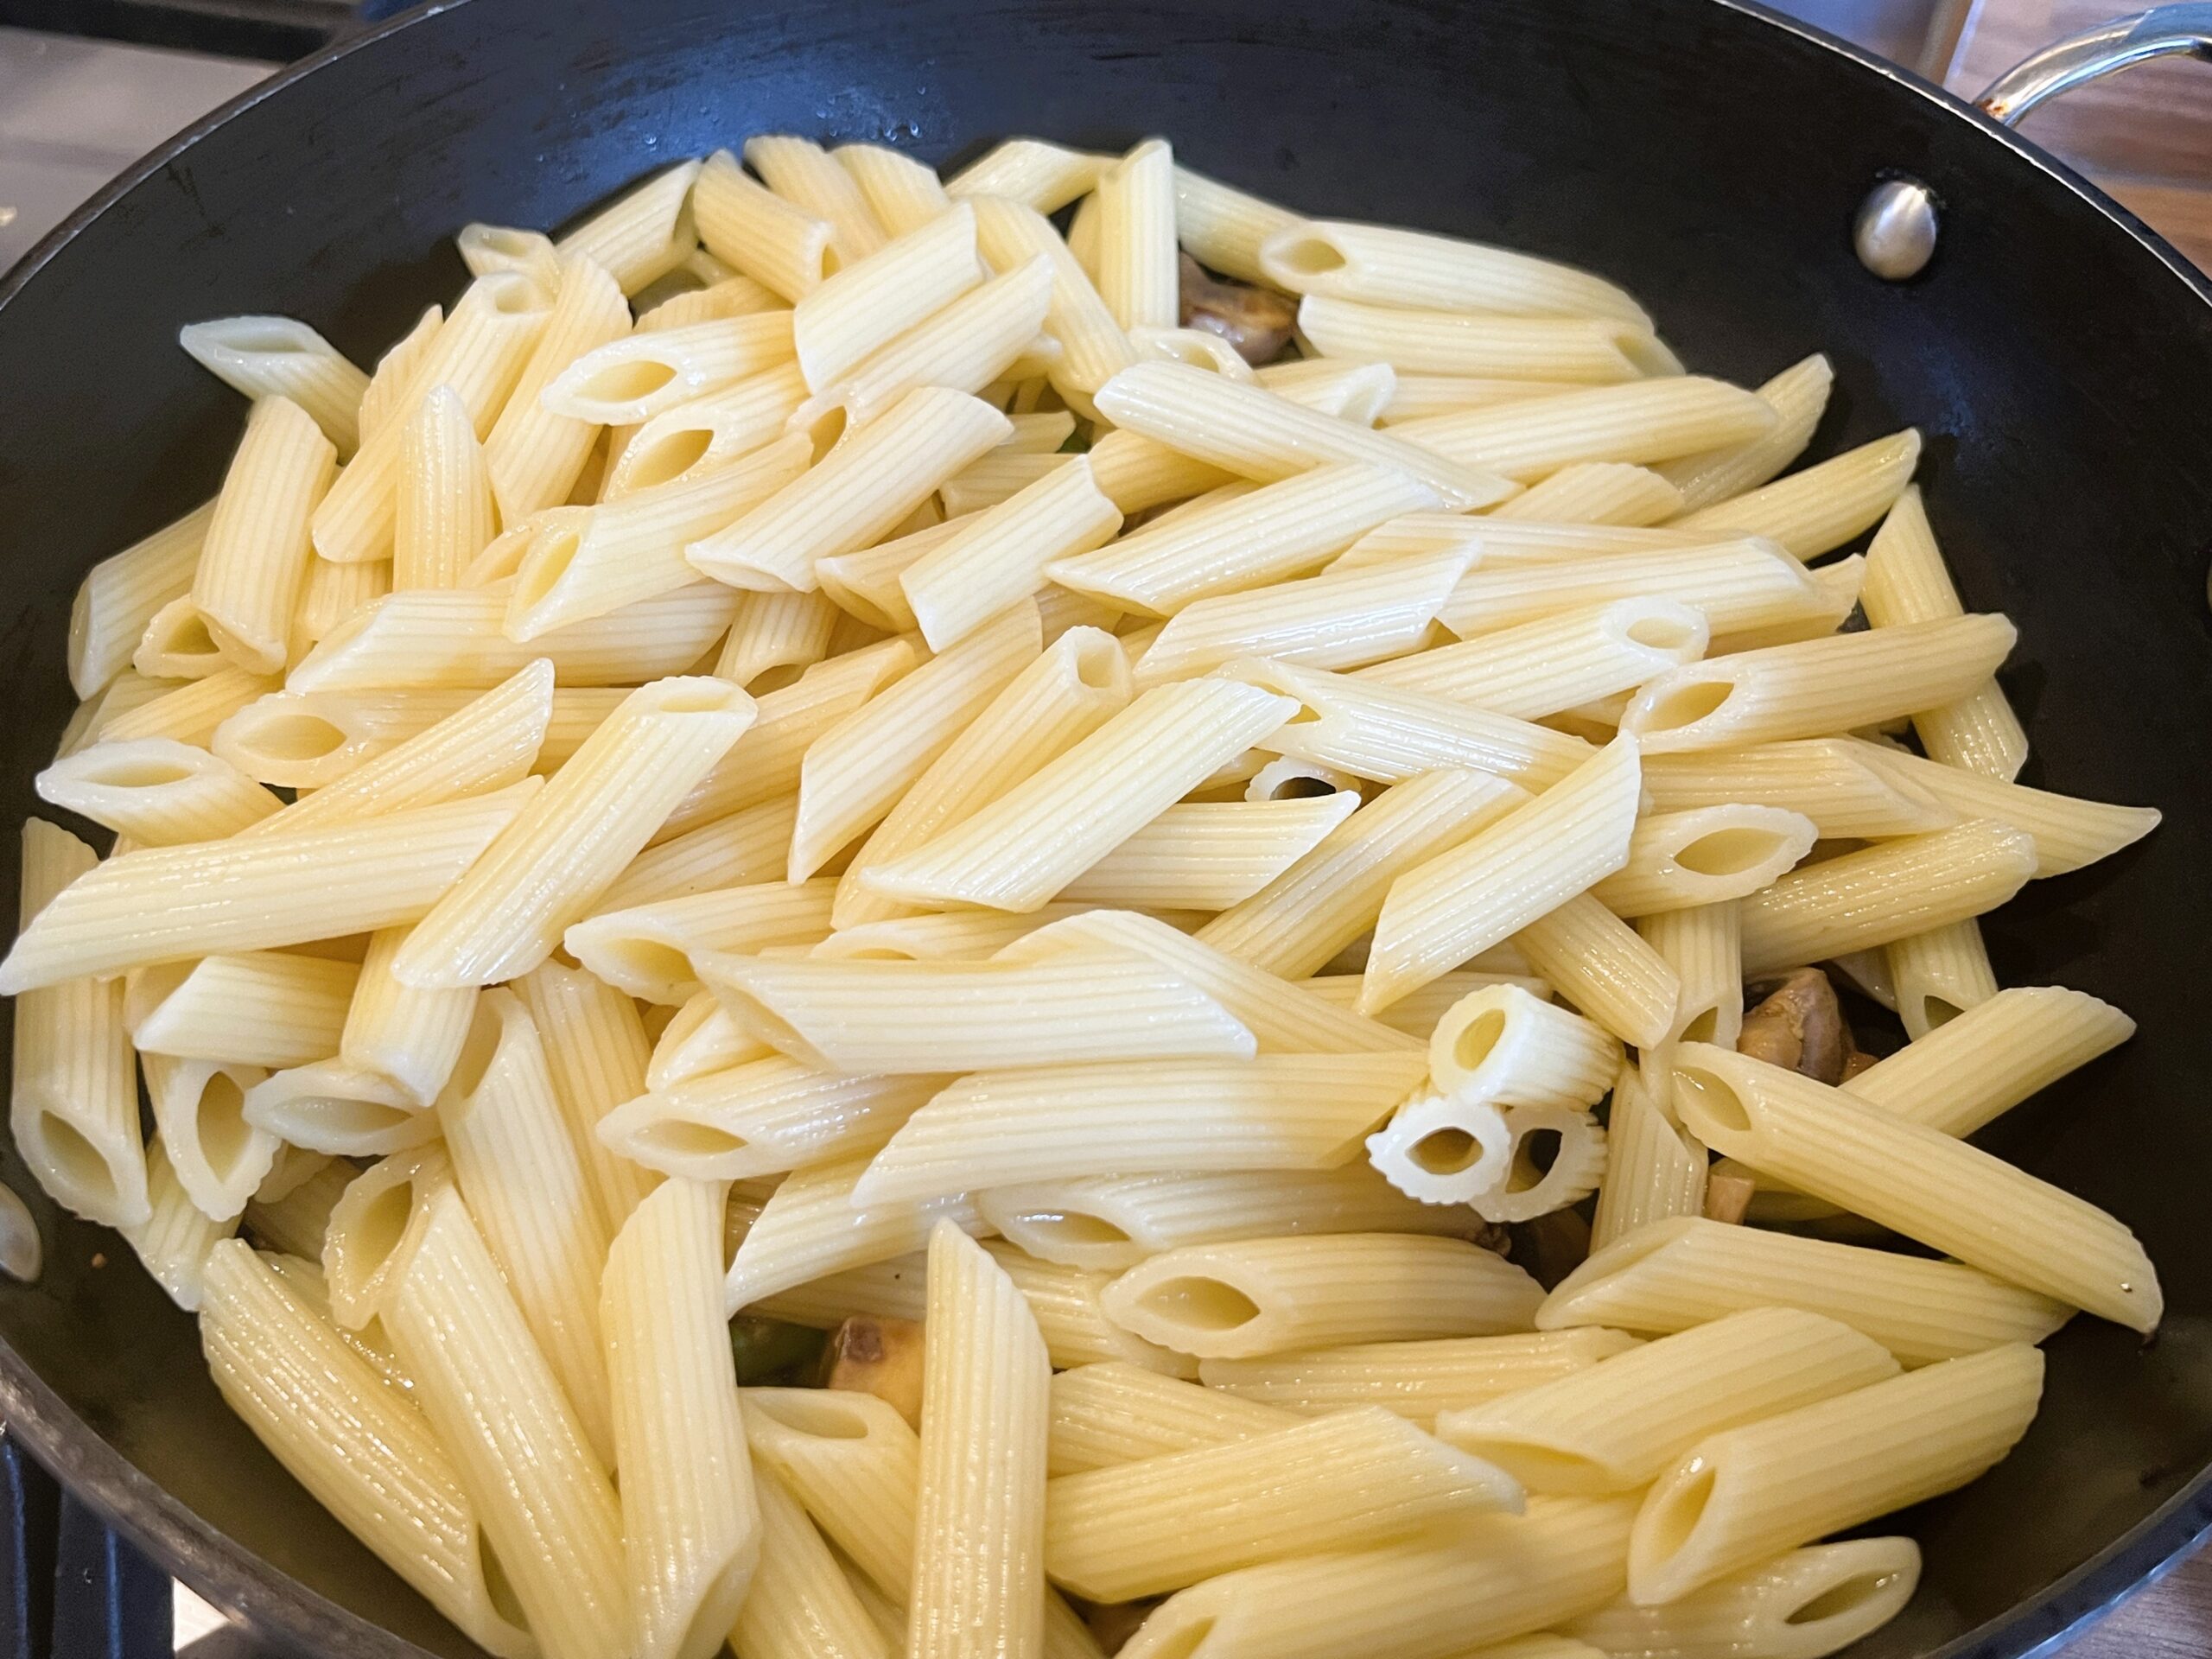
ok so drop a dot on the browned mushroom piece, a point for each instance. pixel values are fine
(878, 1356)
(1256, 321)
(1799, 1027)
(1728, 1194)
(1857, 1061)
(1113, 1622)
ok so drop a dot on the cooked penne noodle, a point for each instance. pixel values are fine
(648, 950)
(543, 1500)
(1972, 1070)
(1798, 1605)
(1674, 1274)
(332, 594)
(1890, 891)
(728, 294)
(1283, 1018)
(1298, 922)
(1743, 1492)
(298, 1222)
(1136, 473)
(1597, 962)
(1390, 734)
(174, 1241)
(1223, 228)
(1491, 1578)
(1286, 1111)
(979, 1504)
(1939, 974)
(370, 1228)
(177, 644)
(691, 1522)
(1596, 493)
(1443, 1147)
(1200, 348)
(642, 234)
(854, 772)
(1705, 855)
(1111, 1412)
(565, 848)
(214, 1153)
(1816, 511)
(1618, 1425)
(854, 496)
(596, 1052)
(156, 791)
(254, 562)
(1416, 396)
(853, 1463)
(487, 743)
(1919, 1181)
(966, 345)
(1375, 1478)
(1017, 852)
(1418, 1015)
(128, 691)
(518, 1173)
(1078, 683)
(764, 763)
(1260, 1296)
(1640, 422)
(1326, 621)
(867, 1017)
(1799, 396)
(1135, 197)
(336, 1107)
(410, 1037)
(1000, 556)
(277, 357)
(1817, 686)
(444, 513)
(1907, 581)
(396, 370)
(1577, 351)
(1417, 1380)
(2068, 833)
(360, 1445)
(778, 636)
(124, 593)
(872, 300)
(1384, 266)
(707, 432)
(1039, 176)
(939, 936)
(813, 1224)
(1846, 791)
(1354, 391)
(1503, 1046)
(800, 1601)
(802, 172)
(1556, 662)
(1210, 855)
(259, 893)
(1256, 433)
(749, 227)
(761, 1118)
(1066, 1304)
(1511, 873)
(534, 456)
(479, 351)
(1703, 944)
(748, 846)
(455, 637)
(632, 379)
(263, 1007)
(623, 552)
(1000, 475)
(1505, 539)
(901, 191)
(1093, 345)
(1246, 539)
(1738, 584)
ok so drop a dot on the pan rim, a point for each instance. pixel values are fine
(274, 1606)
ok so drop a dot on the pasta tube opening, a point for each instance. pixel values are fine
(1197, 1302)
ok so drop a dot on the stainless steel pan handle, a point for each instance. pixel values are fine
(1896, 229)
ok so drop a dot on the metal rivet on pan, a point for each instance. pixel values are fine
(1895, 231)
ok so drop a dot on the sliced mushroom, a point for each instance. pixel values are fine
(1799, 1027)
(878, 1356)
(1728, 1194)
(1256, 322)
(1857, 1061)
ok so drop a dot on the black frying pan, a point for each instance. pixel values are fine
(1706, 154)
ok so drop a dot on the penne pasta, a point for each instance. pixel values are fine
(444, 513)
(1640, 422)
(1939, 974)
(1508, 876)
(158, 791)
(749, 227)
(1846, 791)
(1375, 1478)
(596, 1053)
(1736, 584)
(1799, 396)
(535, 456)
(1042, 176)
(2068, 833)
(1815, 1600)
(1822, 1467)
(1260, 1296)
(1816, 511)
(1383, 266)
(816, 1223)
(870, 301)
(776, 636)
(1703, 857)
(1595, 493)
(121, 594)
(1210, 855)
(1000, 556)
(901, 191)
(1890, 891)
(276, 357)
(264, 1007)
(1597, 962)
(1573, 351)
(1971, 1070)
(707, 433)
(254, 562)
(642, 234)
(1416, 1380)
(802, 172)
(563, 849)
(1555, 663)
(1093, 347)
(1070, 1317)
(800, 1602)
(1109, 1414)
(1137, 247)
(648, 950)
(759, 1118)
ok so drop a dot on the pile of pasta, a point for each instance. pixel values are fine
(818, 748)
